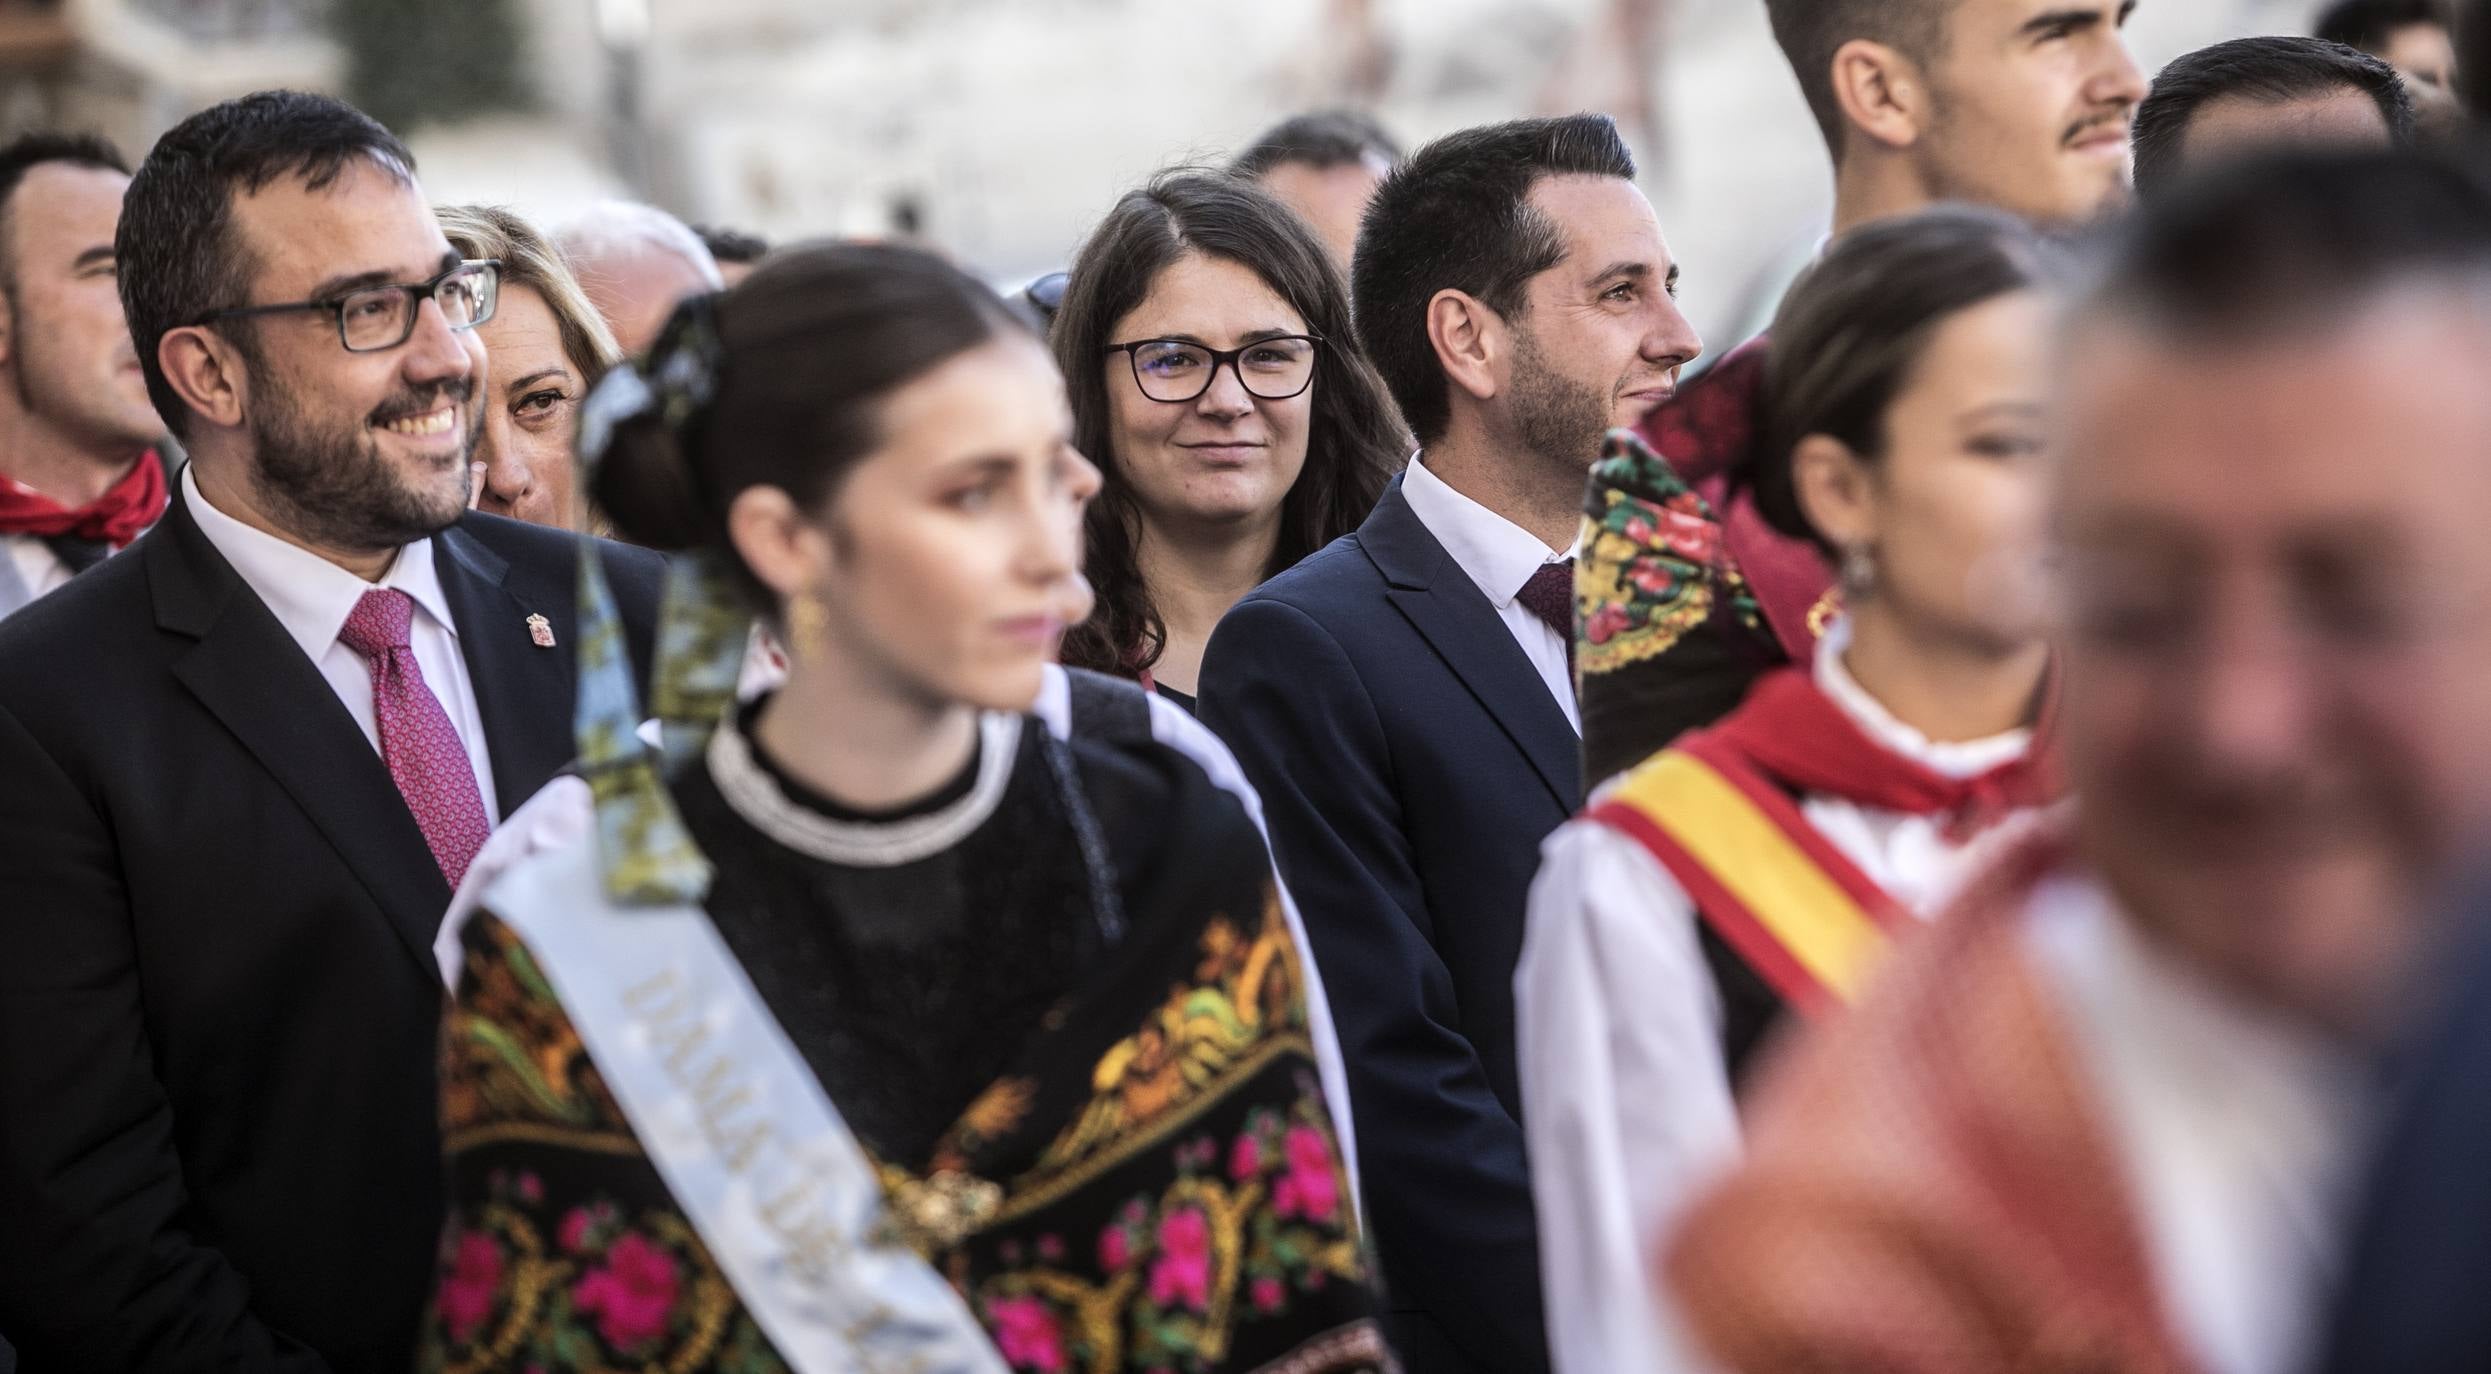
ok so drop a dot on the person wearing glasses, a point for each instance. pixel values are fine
(246, 764)
(1215, 381)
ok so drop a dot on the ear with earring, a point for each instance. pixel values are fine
(1859, 572)
(808, 624)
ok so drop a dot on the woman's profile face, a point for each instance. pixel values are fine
(1956, 505)
(954, 564)
(530, 405)
(1227, 456)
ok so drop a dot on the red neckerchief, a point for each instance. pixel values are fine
(117, 517)
(1798, 736)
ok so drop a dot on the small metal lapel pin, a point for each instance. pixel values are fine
(542, 631)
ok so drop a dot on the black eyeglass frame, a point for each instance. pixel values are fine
(420, 292)
(1230, 358)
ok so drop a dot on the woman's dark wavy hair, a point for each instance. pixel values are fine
(1855, 325)
(1355, 441)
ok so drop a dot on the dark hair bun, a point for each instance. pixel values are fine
(645, 487)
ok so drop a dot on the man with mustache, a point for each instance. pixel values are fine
(248, 762)
(2100, 1117)
(78, 479)
(2018, 104)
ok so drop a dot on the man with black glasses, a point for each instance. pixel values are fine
(246, 765)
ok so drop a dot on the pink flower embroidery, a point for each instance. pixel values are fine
(1311, 1189)
(467, 1292)
(632, 1295)
(1027, 1334)
(573, 1236)
(1184, 1268)
(1245, 1160)
(1607, 623)
(1268, 1294)
(1115, 1250)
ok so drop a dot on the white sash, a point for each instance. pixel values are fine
(734, 1119)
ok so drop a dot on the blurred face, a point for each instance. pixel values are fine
(2278, 631)
(952, 554)
(2424, 53)
(2032, 100)
(636, 289)
(66, 346)
(353, 451)
(1227, 456)
(1953, 508)
(1332, 200)
(1600, 340)
(2232, 126)
(530, 403)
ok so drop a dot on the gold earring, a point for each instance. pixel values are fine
(808, 625)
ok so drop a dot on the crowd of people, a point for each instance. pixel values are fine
(1320, 791)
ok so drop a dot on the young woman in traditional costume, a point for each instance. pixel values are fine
(1761, 865)
(871, 1027)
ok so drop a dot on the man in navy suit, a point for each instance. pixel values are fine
(1403, 699)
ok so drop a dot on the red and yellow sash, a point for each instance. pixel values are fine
(1800, 913)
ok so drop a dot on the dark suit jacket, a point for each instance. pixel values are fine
(218, 1002)
(1411, 761)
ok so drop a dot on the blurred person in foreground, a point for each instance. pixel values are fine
(79, 477)
(2101, 1117)
(1761, 866)
(1218, 385)
(544, 348)
(2022, 105)
(736, 252)
(2416, 37)
(248, 762)
(876, 1027)
(1403, 700)
(2254, 93)
(635, 262)
(1324, 166)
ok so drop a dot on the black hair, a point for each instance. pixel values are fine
(1321, 139)
(2294, 240)
(732, 245)
(2268, 70)
(2473, 57)
(181, 257)
(1810, 32)
(803, 353)
(1853, 330)
(2369, 24)
(1457, 216)
(1354, 440)
(29, 151)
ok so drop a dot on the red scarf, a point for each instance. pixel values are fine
(117, 517)
(1798, 736)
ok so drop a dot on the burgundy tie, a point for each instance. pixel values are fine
(1550, 596)
(419, 744)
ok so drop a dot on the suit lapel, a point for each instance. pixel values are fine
(1446, 608)
(255, 679)
(523, 689)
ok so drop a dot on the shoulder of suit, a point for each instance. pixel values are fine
(548, 550)
(1338, 570)
(55, 636)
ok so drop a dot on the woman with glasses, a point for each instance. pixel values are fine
(1206, 340)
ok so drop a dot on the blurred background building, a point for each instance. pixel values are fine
(998, 129)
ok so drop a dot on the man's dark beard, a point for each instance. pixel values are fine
(332, 485)
(1561, 422)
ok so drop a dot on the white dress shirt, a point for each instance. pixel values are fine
(39, 570)
(2237, 1131)
(311, 597)
(1626, 1095)
(1499, 556)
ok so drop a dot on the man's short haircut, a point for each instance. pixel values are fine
(732, 245)
(2369, 24)
(1457, 217)
(2273, 246)
(1812, 31)
(181, 256)
(2266, 71)
(29, 151)
(1323, 140)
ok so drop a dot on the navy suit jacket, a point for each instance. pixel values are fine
(219, 1010)
(1410, 761)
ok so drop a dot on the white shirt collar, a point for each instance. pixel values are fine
(311, 596)
(1498, 554)
(1968, 759)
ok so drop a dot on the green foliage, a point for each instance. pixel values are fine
(414, 62)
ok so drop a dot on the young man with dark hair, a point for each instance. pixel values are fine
(2249, 93)
(248, 762)
(2416, 37)
(1325, 166)
(78, 478)
(1403, 700)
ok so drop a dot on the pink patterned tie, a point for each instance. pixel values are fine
(422, 749)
